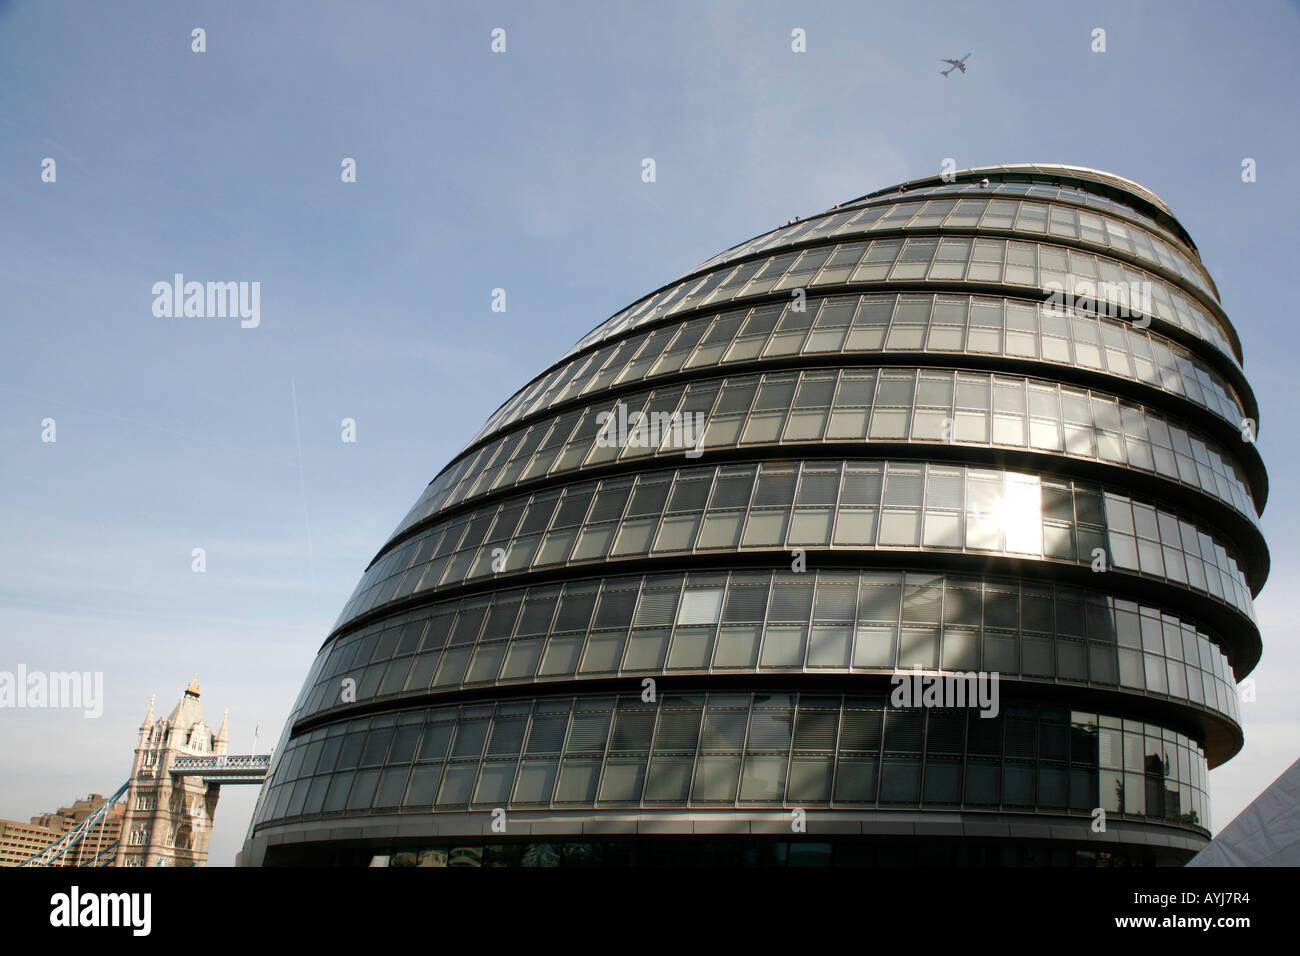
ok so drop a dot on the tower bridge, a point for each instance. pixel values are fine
(171, 795)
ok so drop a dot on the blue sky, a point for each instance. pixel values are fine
(477, 171)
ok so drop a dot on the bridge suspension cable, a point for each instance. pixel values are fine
(56, 850)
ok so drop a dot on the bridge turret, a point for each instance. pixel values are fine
(222, 741)
(176, 778)
(168, 819)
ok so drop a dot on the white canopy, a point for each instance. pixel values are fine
(1266, 833)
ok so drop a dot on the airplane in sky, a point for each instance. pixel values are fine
(956, 65)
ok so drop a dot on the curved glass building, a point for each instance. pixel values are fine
(663, 607)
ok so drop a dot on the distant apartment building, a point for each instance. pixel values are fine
(20, 841)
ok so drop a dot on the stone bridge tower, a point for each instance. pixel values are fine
(168, 819)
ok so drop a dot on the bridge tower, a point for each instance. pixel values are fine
(168, 820)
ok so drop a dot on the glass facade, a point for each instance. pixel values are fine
(1112, 285)
(778, 506)
(931, 404)
(739, 749)
(992, 430)
(778, 622)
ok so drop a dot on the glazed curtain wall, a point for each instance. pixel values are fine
(752, 621)
(719, 750)
(883, 438)
(779, 506)
(860, 404)
(941, 324)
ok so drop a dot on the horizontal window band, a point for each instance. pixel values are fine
(1225, 361)
(1247, 454)
(709, 417)
(815, 621)
(982, 361)
(712, 730)
(1163, 272)
(1221, 736)
(875, 506)
(1080, 179)
(1241, 532)
(1241, 633)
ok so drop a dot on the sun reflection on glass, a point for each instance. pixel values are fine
(1020, 514)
